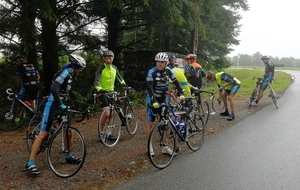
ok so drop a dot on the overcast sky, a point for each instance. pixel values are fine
(270, 27)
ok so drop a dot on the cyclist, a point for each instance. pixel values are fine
(194, 71)
(61, 84)
(157, 86)
(179, 74)
(230, 85)
(104, 82)
(27, 78)
(267, 78)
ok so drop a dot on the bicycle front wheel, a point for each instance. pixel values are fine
(132, 120)
(33, 131)
(11, 120)
(61, 143)
(109, 127)
(203, 108)
(273, 96)
(161, 145)
(195, 129)
(253, 97)
(217, 102)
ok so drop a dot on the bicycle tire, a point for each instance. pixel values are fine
(132, 120)
(58, 149)
(195, 129)
(7, 119)
(33, 131)
(112, 128)
(253, 97)
(156, 141)
(273, 96)
(203, 109)
(217, 103)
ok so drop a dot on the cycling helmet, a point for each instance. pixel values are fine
(265, 57)
(77, 60)
(161, 57)
(108, 53)
(172, 57)
(190, 56)
(20, 56)
(209, 75)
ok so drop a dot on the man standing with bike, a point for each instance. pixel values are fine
(60, 88)
(267, 78)
(157, 86)
(104, 82)
(27, 78)
(230, 85)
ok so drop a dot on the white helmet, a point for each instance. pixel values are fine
(77, 60)
(161, 57)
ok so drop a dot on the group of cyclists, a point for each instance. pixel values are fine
(166, 72)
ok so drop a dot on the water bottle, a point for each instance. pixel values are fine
(182, 126)
(176, 123)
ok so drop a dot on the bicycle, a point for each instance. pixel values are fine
(165, 133)
(217, 101)
(17, 107)
(119, 116)
(62, 139)
(272, 93)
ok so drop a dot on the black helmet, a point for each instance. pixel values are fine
(77, 60)
(265, 57)
(20, 56)
(108, 53)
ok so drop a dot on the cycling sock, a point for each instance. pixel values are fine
(69, 155)
(30, 162)
(232, 113)
(256, 101)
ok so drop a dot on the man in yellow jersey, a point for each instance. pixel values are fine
(230, 85)
(179, 74)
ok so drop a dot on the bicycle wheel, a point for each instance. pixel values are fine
(132, 120)
(273, 96)
(217, 102)
(33, 131)
(8, 120)
(195, 131)
(203, 108)
(109, 129)
(253, 97)
(62, 142)
(161, 136)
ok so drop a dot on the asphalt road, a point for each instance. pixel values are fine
(260, 152)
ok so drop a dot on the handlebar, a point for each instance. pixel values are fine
(70, 111)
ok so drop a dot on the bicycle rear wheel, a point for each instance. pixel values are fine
(132, 120)
(195, 129)
(62, 142)
(273, 96)
(203, 108)
(160, 137)
(109, 129)
(8, 120)
(217, 102)
(253, 97)
(33, 131)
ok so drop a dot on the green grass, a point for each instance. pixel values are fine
(283, 80)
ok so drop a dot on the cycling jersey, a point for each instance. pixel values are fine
(179, 74)
(158, 82)
(28, 74)
(269, 71)
(223, 78)
(105, 77)
(194, 73)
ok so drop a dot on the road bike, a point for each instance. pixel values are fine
(62, 139)
(272, 93)
(121, 112)
(17, 108)
(165, 133)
